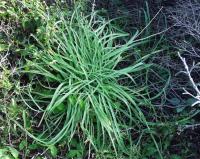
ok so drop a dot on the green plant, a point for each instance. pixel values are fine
(78, 91)
(4, 80)
(8, 153)
(81, 92)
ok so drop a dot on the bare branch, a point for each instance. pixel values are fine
(194, 85)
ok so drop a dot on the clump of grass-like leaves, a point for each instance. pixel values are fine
(76, 90)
